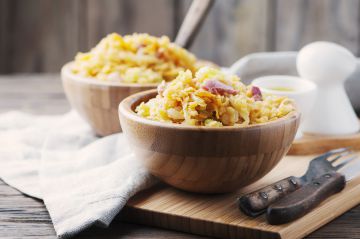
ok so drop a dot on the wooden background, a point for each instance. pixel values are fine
(41, 35)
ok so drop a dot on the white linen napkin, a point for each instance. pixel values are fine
(83, 180)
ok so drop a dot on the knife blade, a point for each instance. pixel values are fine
(310, 195)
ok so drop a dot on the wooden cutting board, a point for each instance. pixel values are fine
(318, 144)
(218, 215)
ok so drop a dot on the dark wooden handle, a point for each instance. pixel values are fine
(256, 203)
(300, 202)
(193, 21)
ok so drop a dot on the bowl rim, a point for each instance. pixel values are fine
(259, 81)
(66, 72)
(126, 105)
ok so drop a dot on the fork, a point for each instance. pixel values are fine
(255, 203)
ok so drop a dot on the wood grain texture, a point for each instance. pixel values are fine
(256, 203)
(298, 23)
(36, 94)
(40, 35)
(98, 102)
(317, 144)
(127, 16)
(218, 215)
(205, 159)
(17, 212)
(4, 29)
(232, 30)
(304, 200)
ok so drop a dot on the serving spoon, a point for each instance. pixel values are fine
(192, 22)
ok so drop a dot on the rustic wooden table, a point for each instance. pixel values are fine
(25, 217)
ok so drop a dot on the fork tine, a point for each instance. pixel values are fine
(328, 154)
(337, 151)
(348, 160)
(341, 155)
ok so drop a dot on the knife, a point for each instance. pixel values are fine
(310, 195)
(256, 203)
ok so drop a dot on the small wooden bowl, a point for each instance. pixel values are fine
(97, 101)
(203, 159)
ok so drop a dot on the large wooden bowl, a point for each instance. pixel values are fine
(97, 101)
(204, 159)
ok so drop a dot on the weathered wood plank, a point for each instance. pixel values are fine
(127, 16)
(301, 22)
(232, 30)
(5, 11)
(22, 216)
(41, 35)
(41, 94)
(59, 37)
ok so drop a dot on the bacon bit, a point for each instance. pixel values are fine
(256, 93)
(160, 54)
(161, 88)
(140, 49)
(218, 88)
(142, 45)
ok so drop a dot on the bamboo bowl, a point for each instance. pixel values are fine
(204, 159)
(97, 101)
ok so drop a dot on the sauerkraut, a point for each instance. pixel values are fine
(137, 58)
(213, 98)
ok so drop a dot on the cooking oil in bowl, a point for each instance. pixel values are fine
(302, 91)
(281, 88)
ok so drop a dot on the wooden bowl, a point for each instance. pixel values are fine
(97, 101)
(204, 159)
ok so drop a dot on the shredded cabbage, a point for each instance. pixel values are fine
(213, 98)
(137, 58)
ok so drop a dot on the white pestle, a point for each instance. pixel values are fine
(328, 65)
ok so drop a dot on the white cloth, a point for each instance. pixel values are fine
(82, 179)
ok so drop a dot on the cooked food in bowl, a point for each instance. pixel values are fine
(96, 81)
(182, 149)
(211, 97)
(137, 58)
